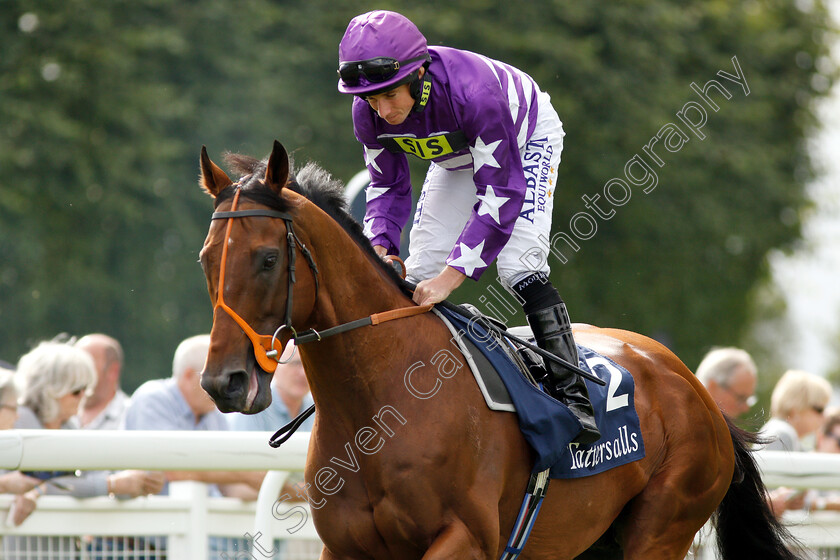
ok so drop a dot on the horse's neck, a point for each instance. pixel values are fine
(356, 291)
(352, 284)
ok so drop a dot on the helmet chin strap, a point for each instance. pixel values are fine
(420, 88)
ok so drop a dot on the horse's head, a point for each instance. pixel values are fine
(249, 262)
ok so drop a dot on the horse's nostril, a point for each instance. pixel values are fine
(227, 389)
(237, 383)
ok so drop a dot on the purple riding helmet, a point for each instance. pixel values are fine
(379, 51)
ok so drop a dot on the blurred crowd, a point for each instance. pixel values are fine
(801, 418)
(69, 383)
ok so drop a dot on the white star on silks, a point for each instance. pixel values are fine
(372, 193)
(490, 203)
(368, 231)
(483, 154)
(370, 157)
(470, 259)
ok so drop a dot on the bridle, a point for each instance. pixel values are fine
(267, 348)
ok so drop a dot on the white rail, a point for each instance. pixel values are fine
(187, 450)
(148, 450)
(818, 471)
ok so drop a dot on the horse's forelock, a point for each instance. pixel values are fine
(242, 164)
(252, 172)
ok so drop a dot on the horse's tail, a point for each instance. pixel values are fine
(745, 523)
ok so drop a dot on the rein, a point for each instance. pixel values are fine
(267, 349)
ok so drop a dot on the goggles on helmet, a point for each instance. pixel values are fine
(376, 70)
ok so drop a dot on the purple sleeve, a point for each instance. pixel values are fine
(499, 181)
(388, 197)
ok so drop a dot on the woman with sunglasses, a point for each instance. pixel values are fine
(796, 408)
(493, 142)
(54, 378)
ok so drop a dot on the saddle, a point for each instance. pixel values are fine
(508, 375)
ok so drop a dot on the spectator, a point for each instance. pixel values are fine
(179, 403)
(828, 438)
(104, 408)
(289, 397)
(796, 409)
(12, 482)
(55, 377)
(730, 375)
(8, 399)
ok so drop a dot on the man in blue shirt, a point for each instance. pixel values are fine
(179, 403)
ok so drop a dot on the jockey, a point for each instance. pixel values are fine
(493, 141)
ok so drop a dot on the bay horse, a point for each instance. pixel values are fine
(393, 476)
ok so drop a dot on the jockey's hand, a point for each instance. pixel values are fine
(380, 250)
(437, 289)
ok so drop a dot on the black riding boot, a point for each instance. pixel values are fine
(553, 332)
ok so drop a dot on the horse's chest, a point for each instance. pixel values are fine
(386, 531)
(377, 510)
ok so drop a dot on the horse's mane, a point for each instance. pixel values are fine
(312, 182)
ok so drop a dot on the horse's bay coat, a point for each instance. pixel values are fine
(393, 476)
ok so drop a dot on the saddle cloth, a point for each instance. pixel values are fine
(547, 425)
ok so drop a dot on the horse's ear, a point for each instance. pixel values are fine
(213, 179)
(277, 172)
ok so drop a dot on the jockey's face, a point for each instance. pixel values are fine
(394, 105)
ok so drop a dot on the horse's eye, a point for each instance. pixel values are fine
(269, 262)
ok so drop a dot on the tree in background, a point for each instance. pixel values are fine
(104, 106)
